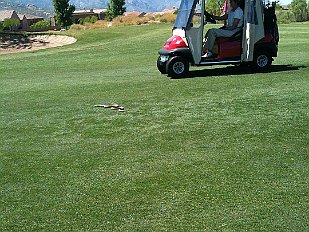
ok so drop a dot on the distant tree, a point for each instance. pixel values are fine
(285, 16)
(11, 23)
(115, 8)
(300, 10)
(214, 6)
(63, 11)
(278, 6)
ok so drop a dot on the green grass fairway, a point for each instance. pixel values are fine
(224, 150)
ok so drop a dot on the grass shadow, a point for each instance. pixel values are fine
(235, 70)
(20, 41)
(14, 41)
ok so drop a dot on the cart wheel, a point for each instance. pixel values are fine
(161, 66)
(177, 67)
(261, 60)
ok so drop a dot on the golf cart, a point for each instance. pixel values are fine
(255, 45)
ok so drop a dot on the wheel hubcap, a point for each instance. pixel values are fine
(178, 67)
(262, 61)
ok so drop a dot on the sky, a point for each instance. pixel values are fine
(285, 2)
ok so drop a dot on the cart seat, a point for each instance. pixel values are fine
(236, 36)
(229, 46)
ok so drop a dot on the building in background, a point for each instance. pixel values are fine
(28, 20)
(8, 14)
(81, 14)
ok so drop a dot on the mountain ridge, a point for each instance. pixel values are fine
(131, 5)
(26, 9)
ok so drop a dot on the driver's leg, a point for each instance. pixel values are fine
(210, 39)
(211, 36)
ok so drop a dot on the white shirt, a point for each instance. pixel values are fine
(237, 14)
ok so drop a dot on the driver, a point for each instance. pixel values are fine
(234, 23)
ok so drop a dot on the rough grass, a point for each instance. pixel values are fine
(224, 150)
(119, 21)
(125, 21)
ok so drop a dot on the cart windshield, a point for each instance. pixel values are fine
(185, 13)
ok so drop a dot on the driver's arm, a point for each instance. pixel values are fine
(234, 26)
(222, 17)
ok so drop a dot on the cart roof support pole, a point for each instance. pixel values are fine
(253, 28)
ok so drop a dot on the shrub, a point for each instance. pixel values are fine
(121, 21)
(11, 23)
(284, 16)
(98, 24)
(167, 18)
(81, 21)
(77, 27)
(157, 17)
(299, 9)
(150, 17)
(93, 19)
(88, 19)
(129, 20)
(41, 25)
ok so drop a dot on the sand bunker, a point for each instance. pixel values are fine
(20, 43)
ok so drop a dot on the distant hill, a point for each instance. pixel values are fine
(151, 5)
(25, 9)
(132, 5)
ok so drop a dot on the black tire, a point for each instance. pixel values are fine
(161, 66)
(177, 67)
(261, 61)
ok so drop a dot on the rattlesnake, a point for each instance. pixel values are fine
(112, 107)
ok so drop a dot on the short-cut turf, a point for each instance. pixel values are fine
(224, 150)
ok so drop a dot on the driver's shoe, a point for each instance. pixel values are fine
(207, 55)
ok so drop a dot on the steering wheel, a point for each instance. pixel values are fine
(209, 17)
